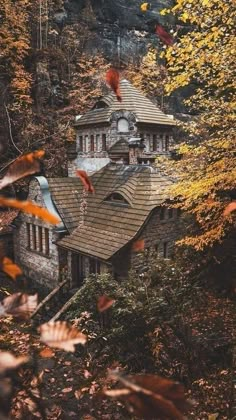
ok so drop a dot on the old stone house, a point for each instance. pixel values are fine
(103, 132)
(105, 231)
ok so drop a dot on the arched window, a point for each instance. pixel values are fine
(123, 125)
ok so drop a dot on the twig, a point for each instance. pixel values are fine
(10, 132)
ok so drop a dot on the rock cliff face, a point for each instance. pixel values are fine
(119, 27)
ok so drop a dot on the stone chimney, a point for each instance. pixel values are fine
(136, 147)
(71, 157)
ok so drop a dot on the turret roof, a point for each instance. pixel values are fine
(132, 100)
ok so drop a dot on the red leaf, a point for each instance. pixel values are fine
(104, 302)
(85, 180)
(163, 35)
(113, 80)
(229, 208)
(31, 208)
(23, 166)
(138, 245)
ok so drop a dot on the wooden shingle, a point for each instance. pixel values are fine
(108, 225)
(132, 100)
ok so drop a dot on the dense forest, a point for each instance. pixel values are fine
(177, 319)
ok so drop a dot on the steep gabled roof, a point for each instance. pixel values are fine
(108, 226)
(132, 100)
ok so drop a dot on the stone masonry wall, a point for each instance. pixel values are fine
(155, 234)
(41, 269)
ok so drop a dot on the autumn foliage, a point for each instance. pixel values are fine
(207, 171)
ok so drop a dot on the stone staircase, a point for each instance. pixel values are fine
(54, 304)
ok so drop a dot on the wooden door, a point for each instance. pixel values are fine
(78, 272)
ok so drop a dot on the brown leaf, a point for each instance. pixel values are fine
(8, 361)
(138, 245)
(31, 208)
(113, 80)
(150, 396)
(61, 335)
(85, 180)
(10, 268)
(229, 208)
(104, 303)
(19, 305)
(23, 166)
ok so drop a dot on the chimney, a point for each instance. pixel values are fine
(136, 147)
(71, 157)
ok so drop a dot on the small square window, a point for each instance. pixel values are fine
(170, 213)
(165, 250)
(162, 213)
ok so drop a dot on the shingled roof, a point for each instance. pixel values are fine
(132, 100)
(108, 225)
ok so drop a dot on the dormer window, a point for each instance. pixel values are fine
(100, 105)
(123, 125)
(116, 198)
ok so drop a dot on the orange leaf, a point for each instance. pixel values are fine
(229, 208)
(61, 335)
(113, 80)
(46, 353)
(85, 180)
(104, 302)
(10, 268)
(23, 166)
(138, 245)
(31, 208)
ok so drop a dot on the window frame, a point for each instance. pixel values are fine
(92, 143)
(166, 250)
(104, 142)
(122, 119)
(81, 146)
(38, 239)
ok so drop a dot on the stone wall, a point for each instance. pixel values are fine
(93, 160)
(155, 234)
(41, 269)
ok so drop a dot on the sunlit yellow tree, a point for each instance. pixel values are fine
(205, 57)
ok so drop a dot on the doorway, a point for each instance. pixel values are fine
(78, 270)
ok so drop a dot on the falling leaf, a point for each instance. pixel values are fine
(145, 6)
(10, 268)
(113, 80)
(163, 35)
(19, 305)
(138, 245)
(61, 335)
(47, 353)
(229, 208)
(8, 361)
(104, 303)
(23, 166)
(85, 180)
(66, 390)
(31, 208)
(150, 396)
